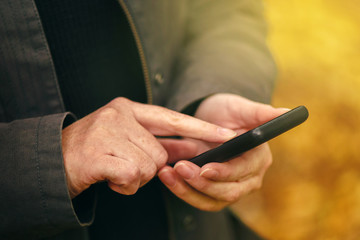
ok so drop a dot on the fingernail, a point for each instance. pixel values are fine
(185, 171)
(209, 173)
(167, 178)
(226, 132)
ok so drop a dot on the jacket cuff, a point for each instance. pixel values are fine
(35, 200)
(80, 210)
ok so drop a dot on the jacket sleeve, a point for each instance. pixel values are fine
(34, 200)
(225, 51)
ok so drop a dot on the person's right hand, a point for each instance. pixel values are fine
(117, 144)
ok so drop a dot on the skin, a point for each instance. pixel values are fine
(217, 185)
(117, 144)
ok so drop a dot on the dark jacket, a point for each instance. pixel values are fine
(188, 50)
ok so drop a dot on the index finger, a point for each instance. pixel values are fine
(165, 122)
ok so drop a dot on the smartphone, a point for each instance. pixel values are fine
(254, 137)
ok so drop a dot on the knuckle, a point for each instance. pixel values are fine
(150, 173)
(130, 191)
(120, 101)
(108, 111)
(162, 158)
(132, 176)
(176, 120)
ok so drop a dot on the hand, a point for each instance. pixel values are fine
(116, 143)
(216, 185)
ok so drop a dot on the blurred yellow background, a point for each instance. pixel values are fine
(312, 190)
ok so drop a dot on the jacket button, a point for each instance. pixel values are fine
(159, 79)
(189, 223)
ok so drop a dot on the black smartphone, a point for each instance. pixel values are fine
(254, 137)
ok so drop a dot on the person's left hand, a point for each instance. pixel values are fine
(217, 185)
